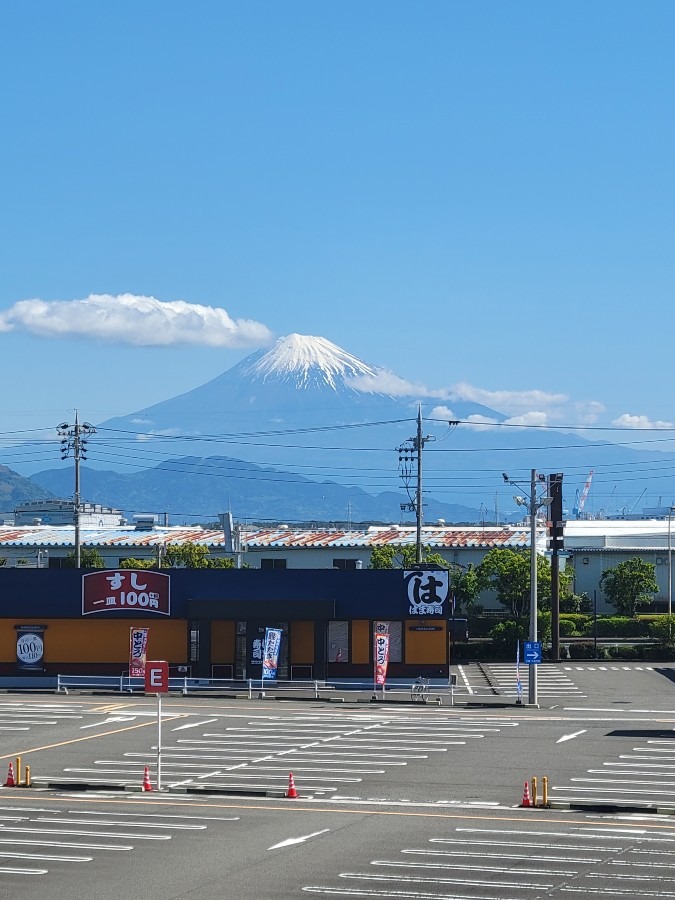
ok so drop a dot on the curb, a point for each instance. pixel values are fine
(609, 807)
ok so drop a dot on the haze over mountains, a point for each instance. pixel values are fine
(306, 431)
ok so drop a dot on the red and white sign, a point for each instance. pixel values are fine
(130, 590)
(157, 677)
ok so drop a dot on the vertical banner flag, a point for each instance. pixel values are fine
(519, 686)
(271, 652)
(138, 651)
(381, 652)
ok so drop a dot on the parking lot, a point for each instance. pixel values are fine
(394, 799)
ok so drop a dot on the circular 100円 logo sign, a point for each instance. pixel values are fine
(30, 648)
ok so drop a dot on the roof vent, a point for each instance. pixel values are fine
(145, 522)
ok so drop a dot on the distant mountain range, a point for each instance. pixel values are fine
(14, 489)
(304, 431)
(193, 489)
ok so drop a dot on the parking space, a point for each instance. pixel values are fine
(641, 776)
(332, 754)
(43, 848)
(510, 861)
(18, 716)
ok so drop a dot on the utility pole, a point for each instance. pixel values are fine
(409, 456)
(74, 439)
(533, 504)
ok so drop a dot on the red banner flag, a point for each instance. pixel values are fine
(138, 651)
(381, 658)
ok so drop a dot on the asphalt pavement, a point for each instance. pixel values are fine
(395, 798)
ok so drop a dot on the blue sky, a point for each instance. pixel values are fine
(475, 195)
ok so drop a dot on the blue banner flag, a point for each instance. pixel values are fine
(271, 652)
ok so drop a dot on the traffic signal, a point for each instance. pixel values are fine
(554, 540)
(555, 526)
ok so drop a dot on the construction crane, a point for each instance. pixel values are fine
(580, 502)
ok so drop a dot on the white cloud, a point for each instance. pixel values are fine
(533, 417)
(481, 423)
(641, 422)
(588, 412)
(162, 432)
(384, 382)
(132, 319)
(507, 401)
(476, 421)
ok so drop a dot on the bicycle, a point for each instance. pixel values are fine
(419, 690)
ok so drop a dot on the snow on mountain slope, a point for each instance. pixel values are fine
(306, 361)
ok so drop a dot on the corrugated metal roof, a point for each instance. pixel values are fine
(128, 536)
(121, 536)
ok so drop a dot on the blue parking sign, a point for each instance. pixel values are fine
(532, 652)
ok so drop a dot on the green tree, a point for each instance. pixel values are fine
(629, 585)
(464, 586)
(382, 557)
(507, 572)
(193, 556)
(222, 562)
(90, 558)
(132, 563)
(408, 558)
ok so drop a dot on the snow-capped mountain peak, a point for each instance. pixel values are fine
(306, 361)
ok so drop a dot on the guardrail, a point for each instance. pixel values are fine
(255, 687)
(125, 684)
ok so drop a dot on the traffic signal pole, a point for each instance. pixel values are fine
(555, 483)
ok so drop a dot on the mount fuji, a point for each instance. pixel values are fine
(301, 382)
(309, 409)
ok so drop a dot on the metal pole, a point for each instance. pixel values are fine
(555, 603)
(595, 624)
(532, 678)
(76, 499)
(418, 500)
(159, 742)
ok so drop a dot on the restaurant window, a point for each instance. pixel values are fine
(338, 642)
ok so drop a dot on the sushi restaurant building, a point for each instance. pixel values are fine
(211, 623)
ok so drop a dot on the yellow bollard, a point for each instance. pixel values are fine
(534, 791)
(27, 781)
(18, 771)
(544, 791)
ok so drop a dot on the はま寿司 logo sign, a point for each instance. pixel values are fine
(427, 592)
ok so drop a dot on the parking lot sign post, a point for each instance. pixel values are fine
(157, 682)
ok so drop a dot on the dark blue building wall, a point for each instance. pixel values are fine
(364, 593)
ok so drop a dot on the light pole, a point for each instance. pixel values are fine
(533, 504)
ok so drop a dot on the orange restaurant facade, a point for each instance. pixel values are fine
(211, 622)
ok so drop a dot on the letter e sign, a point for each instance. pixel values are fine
(156, 677)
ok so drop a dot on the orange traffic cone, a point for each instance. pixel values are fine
(146, 779)
(10, 777)
(526, 801)
(291, 793)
